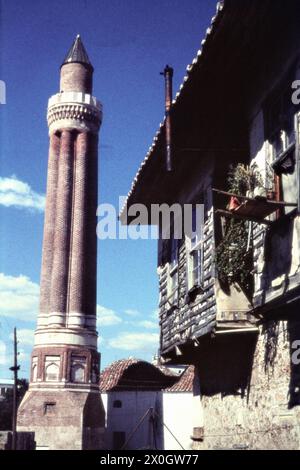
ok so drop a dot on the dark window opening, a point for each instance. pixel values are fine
(49, 408)
(117, 404)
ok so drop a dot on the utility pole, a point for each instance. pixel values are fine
(15, 369)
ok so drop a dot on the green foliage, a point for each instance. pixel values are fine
(232, 258)
(243, 178)
(233, 255)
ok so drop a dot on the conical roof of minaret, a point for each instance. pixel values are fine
(77, 53)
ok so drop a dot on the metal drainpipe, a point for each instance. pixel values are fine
(168, 74)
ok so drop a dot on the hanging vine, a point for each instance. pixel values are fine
(234, 253)
(234, 256)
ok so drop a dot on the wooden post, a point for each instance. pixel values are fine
(15, 369)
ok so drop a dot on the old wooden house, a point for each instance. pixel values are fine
(230, 299)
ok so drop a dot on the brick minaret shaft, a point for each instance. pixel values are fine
(68, 277)
(65, 361)
(67, 317)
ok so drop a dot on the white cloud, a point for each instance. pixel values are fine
(107, 316)
(25, 337)
(144, 342)
(16, 193)
(19, 297)
(149, 325)
(132, 313)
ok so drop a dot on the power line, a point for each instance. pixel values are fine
(152, 413)
(168, 429)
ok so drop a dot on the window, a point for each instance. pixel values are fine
(52, 365)
(279, 118)
(280, 114)
(78, 366)
(34, 369)
(49, 408)
(195, 252)
(117, 404)
(173, 269)
(52, 371)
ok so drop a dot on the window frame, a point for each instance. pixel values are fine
(280, 123)
(52, 361)
(191, 248)
(78, 363)
(173, 271)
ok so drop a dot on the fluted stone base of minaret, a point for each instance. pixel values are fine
(64, 419)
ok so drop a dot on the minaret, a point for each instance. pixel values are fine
(63, 405)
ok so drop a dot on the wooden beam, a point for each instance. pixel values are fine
(241, 217)
(246, 198)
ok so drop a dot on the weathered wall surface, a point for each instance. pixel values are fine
(183, 318)
(134, 405)
(267, 415)
(63, 420)
(176, 409)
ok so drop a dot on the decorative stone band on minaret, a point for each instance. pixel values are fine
(74, 110)
(65, 362)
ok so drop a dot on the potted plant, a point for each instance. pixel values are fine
(246, 180)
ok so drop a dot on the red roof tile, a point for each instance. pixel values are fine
(128, 374)
(111, 375)
(185, 382)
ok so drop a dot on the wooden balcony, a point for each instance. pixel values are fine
(255, 209)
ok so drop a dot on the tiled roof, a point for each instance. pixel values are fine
(196, 62)
(132, 373)
(111, 375)
(77, 53)
(128, 374)
(185, 383)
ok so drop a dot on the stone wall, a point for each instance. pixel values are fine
(266, 414)
(63, 420)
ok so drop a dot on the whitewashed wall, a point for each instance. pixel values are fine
(179, 416)
(126, 418)
(177, 411)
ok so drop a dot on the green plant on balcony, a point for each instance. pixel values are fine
(234, 252)
(245, 180)
(234, 256)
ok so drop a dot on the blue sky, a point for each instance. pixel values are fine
(129, 42)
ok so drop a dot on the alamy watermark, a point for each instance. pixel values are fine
(158, 221)
(2, 92)
(296, 353)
